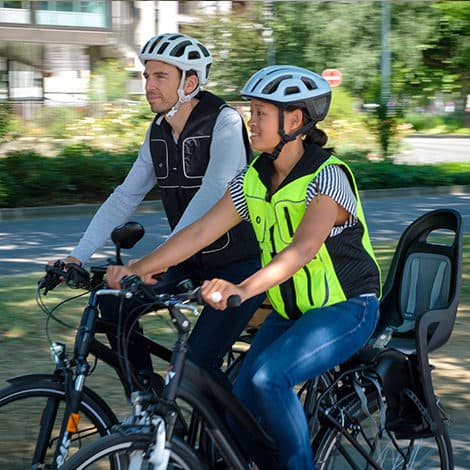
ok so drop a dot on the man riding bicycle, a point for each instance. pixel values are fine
(194, 146)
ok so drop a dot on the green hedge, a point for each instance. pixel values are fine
(79, 174)
(83, 174)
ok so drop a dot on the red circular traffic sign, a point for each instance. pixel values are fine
(332, 76)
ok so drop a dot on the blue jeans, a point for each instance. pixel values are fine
(289, 352)
(213, 332)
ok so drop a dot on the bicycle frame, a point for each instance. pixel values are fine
(207, 397)
(211, 402)
(72, 372)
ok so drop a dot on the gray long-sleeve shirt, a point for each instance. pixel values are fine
(227, 158)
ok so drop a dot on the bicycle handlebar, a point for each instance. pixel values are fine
(77, 277)
(71, 274)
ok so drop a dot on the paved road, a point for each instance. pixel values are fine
(422, 150)
(25, 245)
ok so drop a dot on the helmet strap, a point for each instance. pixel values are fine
(287, 138)
(182, 98)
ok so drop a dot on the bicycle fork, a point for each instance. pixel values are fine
(74, 388)
(72, 418)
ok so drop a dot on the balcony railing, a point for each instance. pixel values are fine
(79, 14)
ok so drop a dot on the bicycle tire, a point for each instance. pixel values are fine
(124, 451)
(23, 415)
(332, 449)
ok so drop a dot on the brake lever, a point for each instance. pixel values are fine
(53, 277)
(76, 277)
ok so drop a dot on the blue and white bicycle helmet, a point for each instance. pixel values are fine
(183, 52)
(285, 85)
(179, 50)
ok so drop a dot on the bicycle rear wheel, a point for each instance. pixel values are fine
(126, 451)
(333, 451)
(31, 413)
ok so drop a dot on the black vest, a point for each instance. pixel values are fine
(179, 168)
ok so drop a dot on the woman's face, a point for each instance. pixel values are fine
(264, 125)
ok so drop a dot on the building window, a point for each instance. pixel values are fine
(64, 6)
(82, 14)
(3, 79)
(25, 81)
(17, 4)
(14, 12)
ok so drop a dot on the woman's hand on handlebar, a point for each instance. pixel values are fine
(114, 274)
(221, 294)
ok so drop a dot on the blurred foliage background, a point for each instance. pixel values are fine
(79, 154)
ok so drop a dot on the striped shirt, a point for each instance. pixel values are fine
(331, 181)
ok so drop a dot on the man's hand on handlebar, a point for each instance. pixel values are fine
(61, 271)
(68, 260)
(58, 265)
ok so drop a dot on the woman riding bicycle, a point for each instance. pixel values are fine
(319, 268)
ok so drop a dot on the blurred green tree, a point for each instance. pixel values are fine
(108, 81)
(237, 47)
(5, 119)
(426, 61)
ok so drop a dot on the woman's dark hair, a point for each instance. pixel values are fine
(313, 135)
(316, 136)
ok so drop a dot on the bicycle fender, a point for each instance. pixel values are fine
(37, 379)
(26, 378)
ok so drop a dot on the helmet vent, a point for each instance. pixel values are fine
(145, 47)
(310, 84)
(204, 50)
(161, 50)
(272, 86)
(291, 90)
(178, 51)
(194, 55)
(256, 84)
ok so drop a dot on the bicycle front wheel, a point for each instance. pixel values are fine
(31, 414)
(131, 451)
(335, 452)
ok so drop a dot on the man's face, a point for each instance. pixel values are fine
(161, 85)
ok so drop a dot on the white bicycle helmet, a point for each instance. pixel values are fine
(285, 85)
(179, 50)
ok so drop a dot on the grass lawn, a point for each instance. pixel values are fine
(24, 347)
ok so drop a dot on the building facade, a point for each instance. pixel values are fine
(48, 49)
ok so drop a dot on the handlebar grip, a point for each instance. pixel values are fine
(234, 301)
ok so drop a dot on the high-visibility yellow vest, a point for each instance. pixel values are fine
(345, 265)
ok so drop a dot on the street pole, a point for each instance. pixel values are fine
(385, 63)
(268, 33)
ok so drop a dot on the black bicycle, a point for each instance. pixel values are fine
(55, 414)
(345, 407)
(378, 410)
